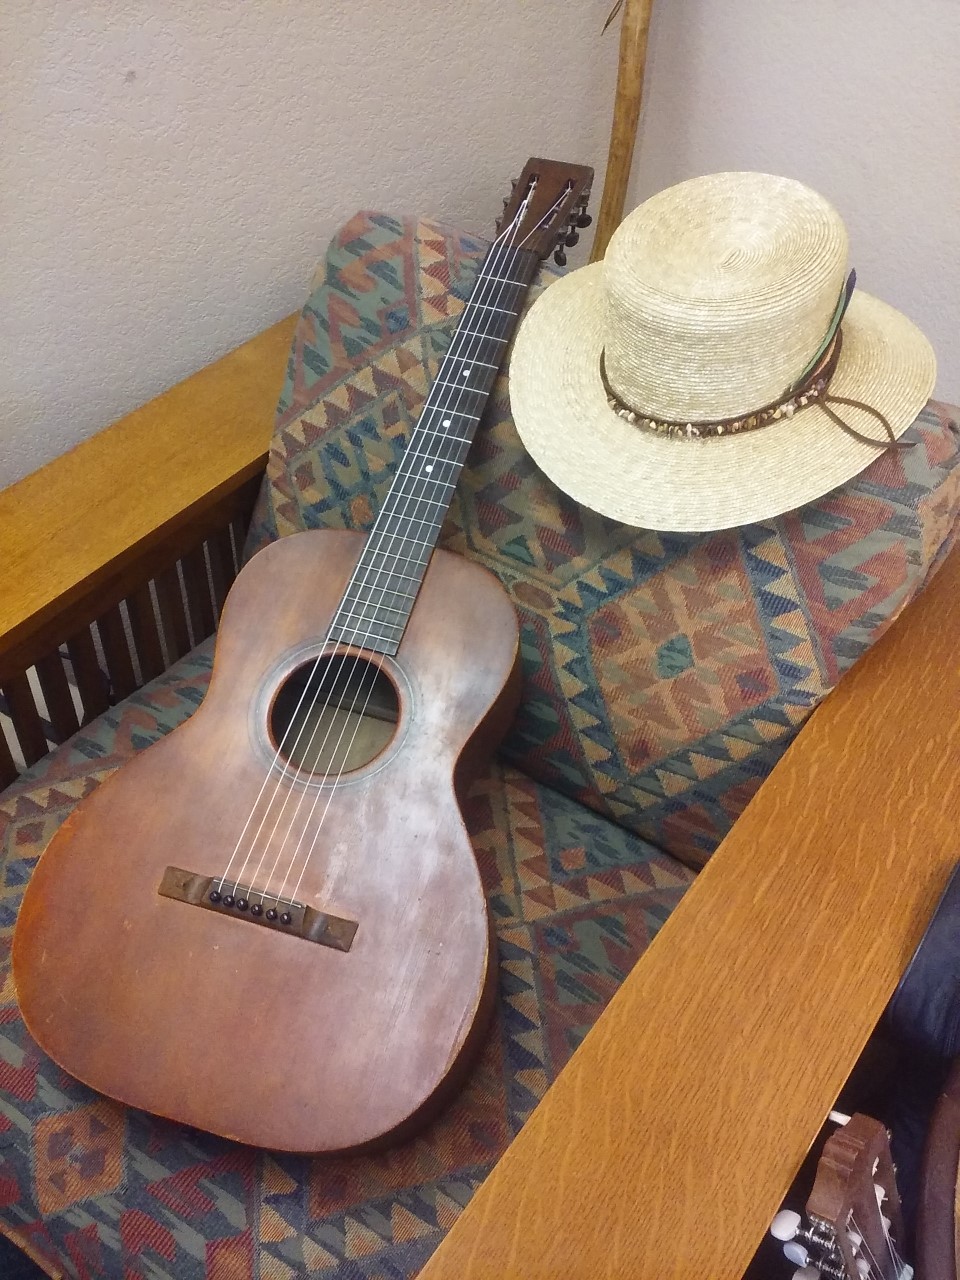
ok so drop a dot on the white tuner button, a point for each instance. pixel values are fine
(796, 1253)
(807, 1273)
(785, 1225)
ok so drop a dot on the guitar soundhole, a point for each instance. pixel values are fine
(334, 715)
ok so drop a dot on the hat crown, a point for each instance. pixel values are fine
(719, 291)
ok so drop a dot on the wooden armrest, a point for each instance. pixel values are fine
(667, 1143)
(78, 523)
(115, 558)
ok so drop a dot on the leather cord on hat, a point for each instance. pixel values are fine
(829, 398)
(891, 443)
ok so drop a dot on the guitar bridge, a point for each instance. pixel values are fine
(245, 903)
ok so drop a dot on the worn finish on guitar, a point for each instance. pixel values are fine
(244, 1031)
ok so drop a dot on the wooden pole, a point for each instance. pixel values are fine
(634, 30)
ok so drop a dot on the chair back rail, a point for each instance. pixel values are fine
(123, 633)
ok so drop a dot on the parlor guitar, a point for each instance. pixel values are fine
(270, 925)
(854, 1223)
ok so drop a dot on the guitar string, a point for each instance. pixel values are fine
(222, 880)
(545, 219)
(872, 1260)
(351, 662)
(369, 568)
(504, 282)
(895, 1256)
(328, 647)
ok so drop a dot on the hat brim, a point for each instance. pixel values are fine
(559, 405)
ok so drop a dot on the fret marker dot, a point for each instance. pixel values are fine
(465, 373)
(428, 467)
(446, 423)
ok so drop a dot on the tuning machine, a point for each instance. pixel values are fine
(571, 234)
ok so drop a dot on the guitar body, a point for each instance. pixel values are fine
(210, 1019)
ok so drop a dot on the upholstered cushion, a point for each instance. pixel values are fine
(106, 1193)
(664, 675)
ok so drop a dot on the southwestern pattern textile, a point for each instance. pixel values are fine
(665, 674)
(97, 1190)
(663, 677)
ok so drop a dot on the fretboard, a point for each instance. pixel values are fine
(383, 588)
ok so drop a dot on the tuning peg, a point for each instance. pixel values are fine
(807, 1273)
(795, 1252)
(572, 238)
(785, 1225)
(559, 257)
(584, 220)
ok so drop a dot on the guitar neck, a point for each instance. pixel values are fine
(384, 586)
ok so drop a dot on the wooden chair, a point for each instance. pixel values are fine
(764, 983)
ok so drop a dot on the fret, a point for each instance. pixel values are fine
(396, 537)
(348, 621)
(405, 532)
(429, 479)
(389, 608)
(459, 386)
(485, 306)
(434, 502)
(455, 413)
(371, 617)
(468, 333)
(417, 542)
(409, 577)
(442, 435)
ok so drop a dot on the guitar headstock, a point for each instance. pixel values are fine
(549, 206)
(853, 1212)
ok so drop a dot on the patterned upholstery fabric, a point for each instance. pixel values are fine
(98, 1190)
(664, 674)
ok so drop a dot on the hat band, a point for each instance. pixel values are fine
(814, 389)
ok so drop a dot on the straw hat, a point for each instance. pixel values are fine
(714, 369)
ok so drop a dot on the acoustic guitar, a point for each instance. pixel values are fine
(854, 1225)
(270, 925)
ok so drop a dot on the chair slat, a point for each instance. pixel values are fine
(91, 681)
(221, 566)
(117, 653)
(8, 770)
(146, 637)
(27, 724)
(176, 634)
(57, 696)
(198, 594)
(238, 533)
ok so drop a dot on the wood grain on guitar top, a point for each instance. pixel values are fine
(240, 1030)
(669, 1140)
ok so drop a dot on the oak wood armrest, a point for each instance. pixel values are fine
(71, 528)
(668, 1141)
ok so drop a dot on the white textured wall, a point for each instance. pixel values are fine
(170, 170)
